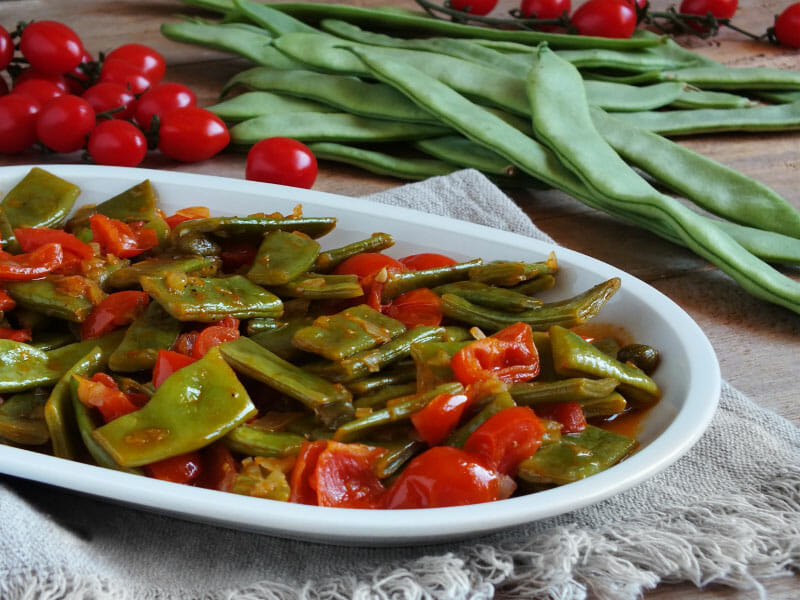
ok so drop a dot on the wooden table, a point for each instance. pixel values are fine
(755, 341)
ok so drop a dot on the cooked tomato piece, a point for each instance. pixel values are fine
(108, 399)
(345, 477)
(23, 267)
(417, 307)
(17, 335)
(218, 468)
(427, 260)
(508, 355)
(439, 417)
(115, 310)
(187, 214)
(569, 414)
(236, 255)
(31, 238)
(121, 239)
(184, 468)
(167, 362)
(506, 439)
(212, 336)
(304, 467)
(372, 269)
(7, 303)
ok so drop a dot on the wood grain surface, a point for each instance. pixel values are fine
(756, 342)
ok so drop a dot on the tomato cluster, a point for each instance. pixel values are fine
(67, 102)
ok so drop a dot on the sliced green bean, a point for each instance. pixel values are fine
(281, 257)
(255, 227)
(330, 259)
(381, 163)
(374, 100)
(401, 373)
(535, 285)
(404, 281)
(66, 297)
(573, 389)
(432, 361)
(255, 104)
(262, 324)
(279, 340)
(252, 441)
(381, 396)
(320, 286)
(611, 405)
(40, 199)
(128, 276)
(154, 330)
(509, 273)
(330, 127)
(396, 455)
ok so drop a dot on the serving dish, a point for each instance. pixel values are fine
(688, 375)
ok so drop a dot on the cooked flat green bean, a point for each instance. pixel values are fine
(491, 296)
(330, 259)
(262, 324)
(397, 454)
(281, 257)
(22, 419)
(404, 281)
(128, 275)
(252, 441)
(320, 286)
(381, 396)
(381, 162)
(573, 389)
(432, 361)
(279, 340)
(508, 273)
(66, 297)
(40, 199)
(154, 330)
(255, 227)
(535, 285)
(402, 372)
(613, 404)
(255, 104)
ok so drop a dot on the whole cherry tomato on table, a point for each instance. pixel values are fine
(3, 86)
(29, 74)
(545, 9)
(147, 60)
(283, 161)
(721, 9)
(105, 97)
(51, 47)
(191, 134)
(787, 26)
(6, 48)
(18, 114)
(117, 143)
(161, 99)
(605, 18)
(126, 74)
(78, 79)
(474, 7)
(40, 90)
(64, 123)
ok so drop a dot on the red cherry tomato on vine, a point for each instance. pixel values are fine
(51, 47)
(605, 18)
(6, 48)
(126, 74)
(787, 26)
(117, 143)
(161, 99)
(3, 87)
(18, 114)
(721, 9)
(64, 123)
(104, 97)
(545, 9)
(29, 74)
(78, 79)
(474, 7)
(283, 161)
(190, 134)
(144, 58)
(40, 90)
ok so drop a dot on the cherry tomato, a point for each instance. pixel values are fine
(569, 414)
(367, 264)
(24, 267)
(6, 48)
(51, 47)
(506, 439)
(721, 9)
(426, 260)
(344, 476)
(31, 238)
(117, 143)
(304, 466)
(545, 9)
(213, 336)
(474, 7)
(15, 335)
(439, 417)
(148, 61)
(7, 303)
(78, 79)
(64, 123)
(283, 161)
(445, 476)
(508, 355)
(3, 86)
(103, 394)
(124, 73)
(40, 90)
(605, 18)
(787, 26)
(190, 134)
(161, 99)
(18, 114)
(218, 469)
(187, 214)
(184, 468)
(115, 310)
(29, 74)
(417, 307)
(121, 239)
(167, 363)
(105, 97)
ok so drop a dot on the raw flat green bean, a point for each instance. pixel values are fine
(778, 117)
(768, 245)
(331, 402)
(617, 185)
(404, 281)
(636, 61)
(694, 98)
(255, 227)
(255, 104)
(460, 151)
(779, 96)
(573, 389)
(310, 12)
(488, 295)
(348, 94)
(281, 257)
(619, 97)
(330, 259)
(221, 6)
(274, 21)
(568, 313)
(736, 79)
(392, 414)
(381, 163)
(711, 185)
(22, 419)
(252, 441)
(154, 330)
(330, 127)
(320, 286)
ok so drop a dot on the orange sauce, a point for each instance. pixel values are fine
(627, 423)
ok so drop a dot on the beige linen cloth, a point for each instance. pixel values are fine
(727, 512)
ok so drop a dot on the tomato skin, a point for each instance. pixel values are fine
(147, 60)
(64, 123)
(283, 161)
(569, 414)
(167, 363)
(304, 466)
(545, 9)
(787, 26)
(3, 87)
(125, 74)
(24, 267)
(105, 97)
(213, 336)
(191, 134)
(7, 303)
(187, 214)
(474, 7)
(161, 99)
(102, 393)
(605, 18)
(51, 47)
(508, 355)
(120, 239)
(115, 310)
(366, 264)
(439, 417)
(40, 90)
(31, 238)
(18, 115)
(721, 9)
(16, 335)
(218, 468)
(184, 468)
(344, 476)
(6, 48)
(31, 73)
(117, 143)
(426, 260)
(416, 307)
(444, 476)
(237, 254)
(506, 439)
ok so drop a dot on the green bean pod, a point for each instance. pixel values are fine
(381, 163)
(252, 441)
(281, 257)
(404, 281)
(254, 227)
(488, 295)
(573, 389)
(330, 259)
(320, 286)
(22, 420)
(154, 330)
(255, 104)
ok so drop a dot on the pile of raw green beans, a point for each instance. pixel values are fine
(293, 355)
(583, 115)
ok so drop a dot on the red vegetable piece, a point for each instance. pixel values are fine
(506, 439)
(787, 26)
(16, 335)
(218, 468)
(108, 399)
(417, 307)
(184, 468)
(237, 254)
(508, 355)
(6, 48)
(439, 417)
(117, 143)
(33, 265)
(7, 303)
(446, 476)
(304, 467)
(283, 161)
(187, 214)
(345, 478)
(120, 239)
(212, 336)
(167, 362)
(569, 414)
(475, 7)
(115, 310)
(31, 238)
(426, 260)
(146, 60)
(18, 114)
(30, 73)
